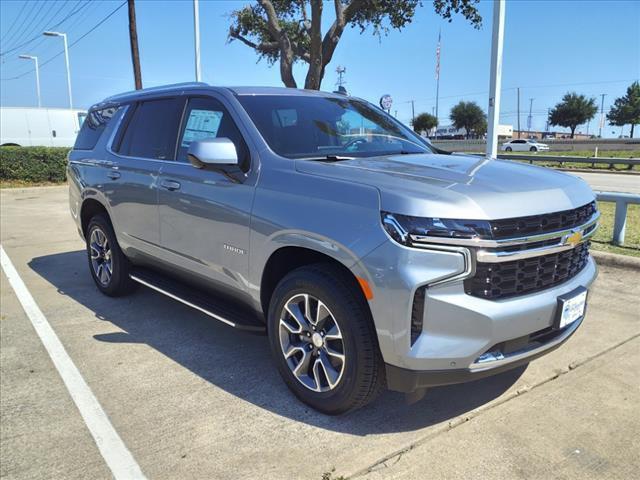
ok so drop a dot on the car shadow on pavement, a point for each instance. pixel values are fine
(240, 363)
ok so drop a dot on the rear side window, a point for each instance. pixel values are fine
(92, 127)
(152, 130)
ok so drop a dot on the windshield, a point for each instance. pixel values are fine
(314, 126)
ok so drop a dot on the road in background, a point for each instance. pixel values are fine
(611, 182)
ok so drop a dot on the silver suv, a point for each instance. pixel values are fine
(369, 258)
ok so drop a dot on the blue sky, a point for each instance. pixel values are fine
(551, 47)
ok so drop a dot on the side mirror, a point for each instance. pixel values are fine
(212, 151)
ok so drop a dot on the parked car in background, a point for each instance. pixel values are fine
(33, 127)
(522, 145)
(368, 259)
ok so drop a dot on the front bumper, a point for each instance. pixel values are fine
(457, 329)
(404, 380)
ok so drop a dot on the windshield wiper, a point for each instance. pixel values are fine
(328, 158)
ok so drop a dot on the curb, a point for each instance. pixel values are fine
(616, 260)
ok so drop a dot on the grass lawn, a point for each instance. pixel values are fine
(27, 183)
(602, 239)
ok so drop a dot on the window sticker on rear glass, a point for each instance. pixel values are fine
(201, 124)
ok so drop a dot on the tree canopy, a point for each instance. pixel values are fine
(572, 111)
(290, 31)
(469, 115)
(626, 109)
(424, 122)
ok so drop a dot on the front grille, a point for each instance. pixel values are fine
(507, 279)
(538, 224)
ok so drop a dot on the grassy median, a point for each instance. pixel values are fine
(602, 239)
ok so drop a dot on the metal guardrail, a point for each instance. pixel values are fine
(568, 159)
(622, 200)
(630, 162)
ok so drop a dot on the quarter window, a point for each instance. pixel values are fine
(91, 128)
(151, 131)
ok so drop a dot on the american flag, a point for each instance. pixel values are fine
(438, 57)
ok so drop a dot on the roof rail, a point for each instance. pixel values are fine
(155, 89)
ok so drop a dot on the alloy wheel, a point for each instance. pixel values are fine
(101, 259)
(311, 342)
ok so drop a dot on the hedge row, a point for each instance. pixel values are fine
(33, 164)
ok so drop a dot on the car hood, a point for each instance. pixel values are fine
(458, 186)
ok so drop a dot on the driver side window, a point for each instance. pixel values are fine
(208, 118)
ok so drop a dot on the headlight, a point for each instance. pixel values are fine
(401, 227)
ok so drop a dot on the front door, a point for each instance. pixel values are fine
(205, 213)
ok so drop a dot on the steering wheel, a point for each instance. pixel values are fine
(354, 142)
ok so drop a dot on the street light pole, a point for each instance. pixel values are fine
(66, 60)
(495, 81)
(35, 59)
(196, 32)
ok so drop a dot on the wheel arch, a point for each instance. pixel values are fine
(90, 208)
(288, 258)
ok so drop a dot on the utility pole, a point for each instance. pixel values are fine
(601, 115)
(66, 60)
(133, 40)
(546, 128)
(196, 33)
(495, 80)
(413, 113)
(518, 112)
(529, 119)
(438, 51)
(340, 70)
(35, 59)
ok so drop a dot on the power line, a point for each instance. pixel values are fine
(26, 17)
(15, 22)
(39, 35)
(49, 60)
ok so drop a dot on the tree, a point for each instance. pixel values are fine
(469, 115)
(572, 111)
(626, 109)
(284, 31)
(424, 122)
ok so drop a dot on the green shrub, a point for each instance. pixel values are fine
(33, 164)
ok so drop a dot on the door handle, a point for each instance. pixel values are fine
(113, 175)
(170, 185)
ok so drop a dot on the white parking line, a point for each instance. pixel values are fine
(112, 448)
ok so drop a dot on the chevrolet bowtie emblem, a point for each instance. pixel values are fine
(574, 239)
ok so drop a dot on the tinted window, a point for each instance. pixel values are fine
(315, 126)
(151, 130)
(208, 118)
(92, 127)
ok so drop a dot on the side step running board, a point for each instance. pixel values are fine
(236, 316)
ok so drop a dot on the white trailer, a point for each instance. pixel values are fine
(48, 127)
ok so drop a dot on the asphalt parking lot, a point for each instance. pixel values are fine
(192, 398)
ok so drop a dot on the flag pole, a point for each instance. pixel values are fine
(437, 79)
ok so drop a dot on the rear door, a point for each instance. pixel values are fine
(205, 213)
(144, 142)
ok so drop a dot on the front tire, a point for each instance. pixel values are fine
(323, 340)
(509, 149)
(108, 265)
(533, 149)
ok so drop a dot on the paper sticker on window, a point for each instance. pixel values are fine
(201, 124)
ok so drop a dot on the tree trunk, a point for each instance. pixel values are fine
(316, 70)
(573, 130)
(631, 134)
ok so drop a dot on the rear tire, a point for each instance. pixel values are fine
(108, 265)
(317, 315)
